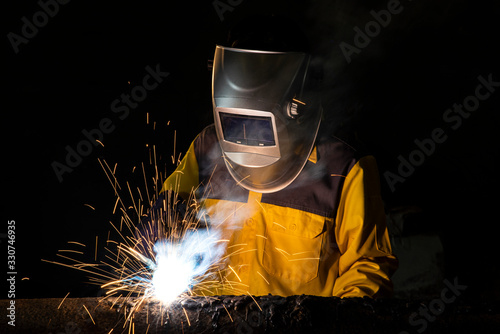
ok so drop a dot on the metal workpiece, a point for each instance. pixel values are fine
(250, 314)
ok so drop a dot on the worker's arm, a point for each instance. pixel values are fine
(366, 262)
(185, 178)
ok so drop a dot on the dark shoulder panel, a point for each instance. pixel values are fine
(318, 187)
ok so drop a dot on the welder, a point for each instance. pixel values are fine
(301, 209)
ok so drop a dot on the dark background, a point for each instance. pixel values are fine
(394, 91)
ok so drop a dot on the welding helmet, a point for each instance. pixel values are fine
(267, 114)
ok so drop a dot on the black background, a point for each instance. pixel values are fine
(394, 91)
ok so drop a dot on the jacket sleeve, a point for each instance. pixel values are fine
(185, 178)
(366, 262)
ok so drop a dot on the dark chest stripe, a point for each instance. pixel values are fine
(316, 190)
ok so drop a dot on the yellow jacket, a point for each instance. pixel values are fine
(324, 235)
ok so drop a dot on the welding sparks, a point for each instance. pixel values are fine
(62, 301)
(163, 256)
(159, 256)
(90, 315)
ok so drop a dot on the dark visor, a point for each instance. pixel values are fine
(247, 130)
